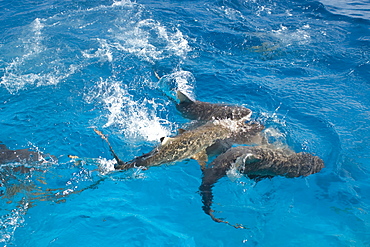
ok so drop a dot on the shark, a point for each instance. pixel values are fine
(256, 162)
(14, 163)
(191, 143)
(204, 111)
(19, 155)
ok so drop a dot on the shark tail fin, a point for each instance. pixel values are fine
(120, 164)
(183, 98)
(207, 198)
(218, 220)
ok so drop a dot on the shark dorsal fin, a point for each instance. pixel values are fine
(183, 98)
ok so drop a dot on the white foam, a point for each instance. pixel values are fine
(229, 13)
(233, 173)
(289, 37)
(142, 122)
(122, 3)
(263, 10)
(274, 117)
(36, 65)
(104, 52)
(13, 78)
(149, 40)
(136, 119)
(275, 137)
(11, 221)
(34, 59)
(115, 4)
(106, 166)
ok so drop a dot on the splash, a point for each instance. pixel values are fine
(233, 173)
(50, 50)
(229, 13)
(11, 221)
(149, 40)
(289, 37)
(37, 64)
(275, 137)
(14, 78)
(106, 166)
(273, 117)
(122, 3)
(272, 134)
(136, 119)
(178, 80)
(102, 53)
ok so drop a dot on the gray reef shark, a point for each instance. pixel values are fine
(256, 161)
(191, 143)
(204, 111)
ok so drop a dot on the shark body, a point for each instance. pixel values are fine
(204, 111)
(191, 143)
(257, 161)
(19, 155)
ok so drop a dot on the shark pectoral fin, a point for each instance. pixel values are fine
(182, 97)
(201, 157)
(181, 131)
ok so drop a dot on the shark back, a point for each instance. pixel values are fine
(19, 155)
(186, 145)
(203, 111)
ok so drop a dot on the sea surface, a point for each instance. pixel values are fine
(66, 67)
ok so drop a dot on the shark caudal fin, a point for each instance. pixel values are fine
(207, 198)
(183, 98)
(120, 164)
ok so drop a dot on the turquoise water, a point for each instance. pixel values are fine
(303, 67)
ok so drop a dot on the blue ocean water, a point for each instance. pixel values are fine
(66, 67)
